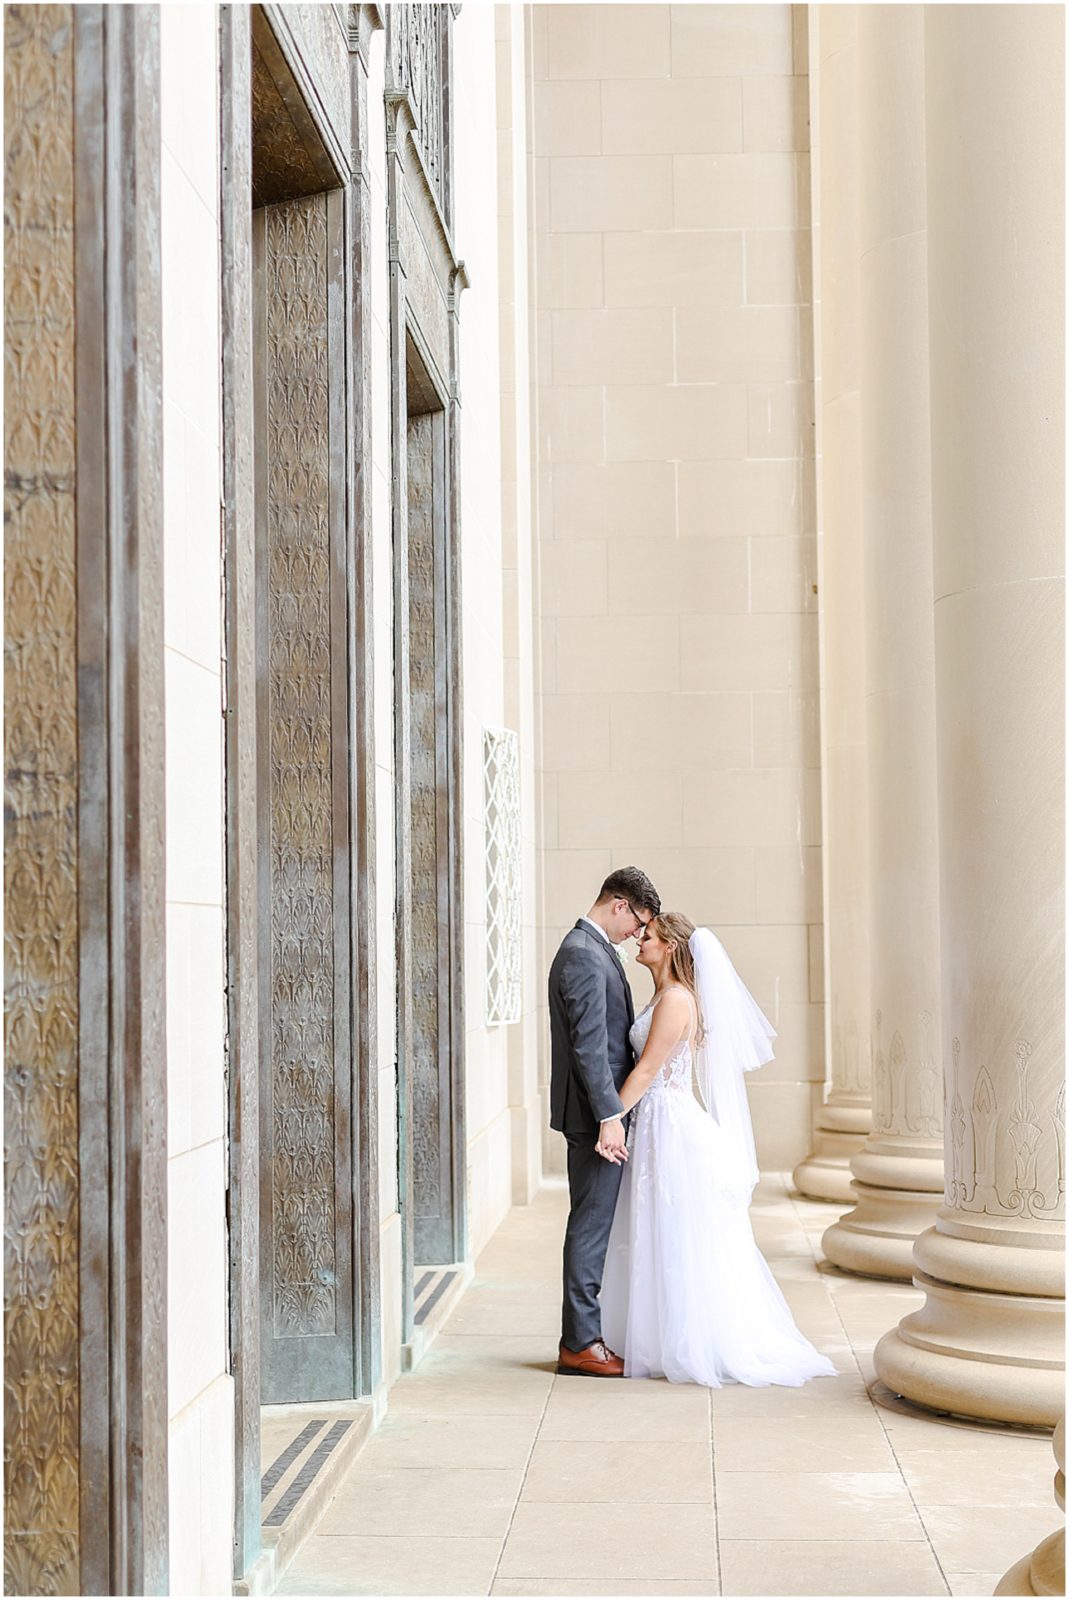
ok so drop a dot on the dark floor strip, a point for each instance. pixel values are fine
(433, 1298)
(277, 1468)
(423, 1282)
(306, 1475)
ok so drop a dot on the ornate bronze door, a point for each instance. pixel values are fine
(304, 885)
(306, 1214)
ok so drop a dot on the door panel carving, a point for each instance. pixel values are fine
(41, 1368)
(305, 1210)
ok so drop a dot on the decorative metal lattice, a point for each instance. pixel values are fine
(501, 766)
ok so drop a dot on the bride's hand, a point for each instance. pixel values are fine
(612, 1142)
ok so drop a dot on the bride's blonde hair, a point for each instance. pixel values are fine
(676, 929)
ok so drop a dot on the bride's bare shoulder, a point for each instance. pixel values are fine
(672, 1006)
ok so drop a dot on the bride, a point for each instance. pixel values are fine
(686, 1293)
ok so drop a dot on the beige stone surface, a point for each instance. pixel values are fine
(608, 41)
(654, 116)
(613, 347)
(676, 497)
(738, 191)
(710, 576)
(592, 194)
(738, 344)
(735, 39)
(673, 269)
(779, 267)
(625, 499)
(989, 1340)
(759, 498)
(682, 422)
(775, 113)
(632, 1487)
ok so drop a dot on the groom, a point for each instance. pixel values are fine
(590, 1017)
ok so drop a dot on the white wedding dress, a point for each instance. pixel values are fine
(686, 1293)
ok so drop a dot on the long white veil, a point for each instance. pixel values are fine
(738, 1039)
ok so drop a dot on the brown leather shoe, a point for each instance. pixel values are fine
(596, 1361)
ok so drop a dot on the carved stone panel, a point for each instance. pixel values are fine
(41, 1168)
(307, 1220)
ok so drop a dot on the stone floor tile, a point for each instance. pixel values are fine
(459, 1394)
(815, 1505)
(837, 1442)
(493, 1316)
(916, 1429)
(822, 1567)
(616, 1541)
(581, 1473)
(952, 1478)
(986, 1538)
(464, 1504)
(416, 1441)
(622, 1411)
(371, 1565)
(973, 1583)
(601, 1586)
(505, 1352)
(844, 1392)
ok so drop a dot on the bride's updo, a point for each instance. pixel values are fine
(676, 929)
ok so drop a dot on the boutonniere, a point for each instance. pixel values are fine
(621, 954)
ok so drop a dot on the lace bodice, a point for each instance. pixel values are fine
(678, 1070)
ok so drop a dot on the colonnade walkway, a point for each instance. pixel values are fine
(490, 1475)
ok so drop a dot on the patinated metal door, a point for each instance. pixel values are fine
(304, 886)
(306, 1214)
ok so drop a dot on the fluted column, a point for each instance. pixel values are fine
(988, 1340)
(1043, 1570)
(845, 1118)
(898, 1173)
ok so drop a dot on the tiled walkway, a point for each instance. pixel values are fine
(492, 1476)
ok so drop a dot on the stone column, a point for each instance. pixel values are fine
(845, 1117)
(898, 1174)
(988, 1341)
(1043, 1571)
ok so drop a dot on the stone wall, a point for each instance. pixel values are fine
(677, 594)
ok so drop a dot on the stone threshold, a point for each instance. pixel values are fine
(307, 1450)
(437, 1290)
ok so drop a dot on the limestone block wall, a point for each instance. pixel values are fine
(200, 1390)
(676, 542)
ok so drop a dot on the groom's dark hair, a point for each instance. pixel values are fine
(631, 884)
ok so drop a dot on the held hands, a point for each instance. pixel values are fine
(612, 1143)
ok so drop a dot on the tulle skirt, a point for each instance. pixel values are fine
(686, 1293)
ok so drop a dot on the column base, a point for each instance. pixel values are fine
(1042, 1572)
(978, 1353)
(839, 1135)
(876, 1239)
(898, 1179)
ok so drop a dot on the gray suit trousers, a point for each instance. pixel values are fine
(593, 1184)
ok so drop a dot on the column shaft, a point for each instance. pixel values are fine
(988, 1341)
(845, 1117)
(898, 1174)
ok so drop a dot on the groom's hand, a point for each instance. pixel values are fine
(612, 1143)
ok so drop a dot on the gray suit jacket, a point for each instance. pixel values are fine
(590, 1016)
